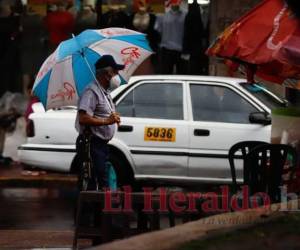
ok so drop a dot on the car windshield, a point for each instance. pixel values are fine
(269, 99)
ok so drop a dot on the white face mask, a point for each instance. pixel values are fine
(114, 82)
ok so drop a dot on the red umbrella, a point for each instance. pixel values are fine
(265, 40)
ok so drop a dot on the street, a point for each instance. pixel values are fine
(36, 217)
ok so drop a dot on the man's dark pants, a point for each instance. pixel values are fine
(99, 155)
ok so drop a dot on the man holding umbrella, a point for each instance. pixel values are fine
(97, 118)
(66, 73)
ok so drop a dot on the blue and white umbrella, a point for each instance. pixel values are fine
(70, 68)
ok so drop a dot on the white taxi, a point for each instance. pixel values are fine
(173, 129)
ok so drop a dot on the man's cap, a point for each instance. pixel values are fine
(108, 61)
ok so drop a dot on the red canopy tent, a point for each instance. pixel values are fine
(266, 41)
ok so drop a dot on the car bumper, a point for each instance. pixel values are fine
(48, 157)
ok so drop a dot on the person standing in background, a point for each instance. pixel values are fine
(143, 21)
(32, 44)
(114, 17)
(60, 25)
(193, 39)
(10, 30)
(86, 18)
(171, 28)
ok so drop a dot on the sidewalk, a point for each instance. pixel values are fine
(15, 176)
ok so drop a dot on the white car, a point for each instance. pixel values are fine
(173, 129)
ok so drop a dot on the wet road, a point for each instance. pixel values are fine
(36, 217)
(33, 208)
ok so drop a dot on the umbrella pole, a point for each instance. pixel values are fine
(95, 78)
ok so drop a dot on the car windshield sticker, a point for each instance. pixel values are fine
(160, 134)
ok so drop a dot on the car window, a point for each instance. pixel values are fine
(219, 104)
(125, 107)
(153, 100)
(264, 96)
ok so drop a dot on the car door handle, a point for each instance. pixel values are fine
(201, 132)
(125, 128)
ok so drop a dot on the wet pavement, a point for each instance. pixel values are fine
(37, 209)
(36, 217)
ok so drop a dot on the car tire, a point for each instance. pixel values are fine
(75, 165)
(125, 176)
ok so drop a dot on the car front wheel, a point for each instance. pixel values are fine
(123, 172)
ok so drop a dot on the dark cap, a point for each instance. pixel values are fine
(108, 61)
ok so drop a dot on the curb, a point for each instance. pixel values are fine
(172, 238)
(37, 182)
(13, 176)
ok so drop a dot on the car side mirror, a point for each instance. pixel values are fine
(260, 118)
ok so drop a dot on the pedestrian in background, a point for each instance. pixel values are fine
(114, 17)
(86, 18)
(144, 21)
(60, 25)
(10, 30)
(193, 40)
(97, 119)
(171, 28)
(32, 46)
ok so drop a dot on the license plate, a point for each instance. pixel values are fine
(160, 134)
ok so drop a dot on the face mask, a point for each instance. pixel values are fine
(114, 82)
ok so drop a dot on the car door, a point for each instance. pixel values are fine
(154, 128)
(220, 118)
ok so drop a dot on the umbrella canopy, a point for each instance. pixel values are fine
(265, 40)
(65, 73)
